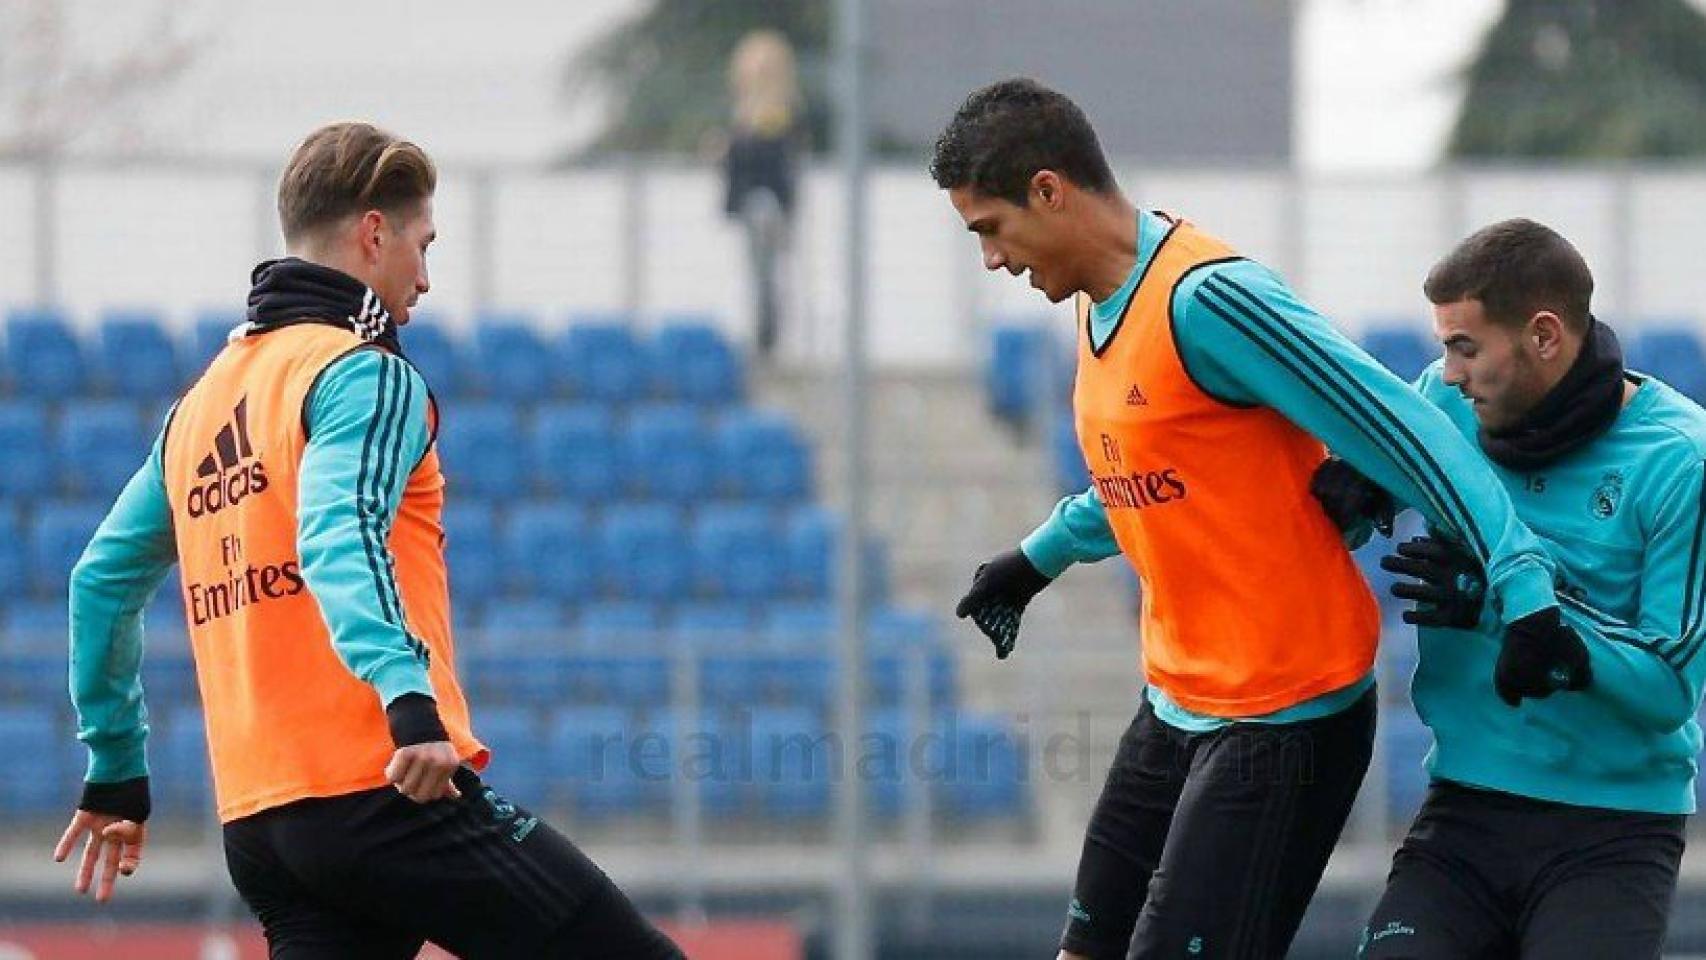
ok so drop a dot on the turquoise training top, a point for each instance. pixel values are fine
(1297, 363)
(1625, 519)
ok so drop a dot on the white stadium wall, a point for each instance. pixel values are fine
(181, 239)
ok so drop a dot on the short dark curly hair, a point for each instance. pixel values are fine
(1515, 268)
(1007, 131)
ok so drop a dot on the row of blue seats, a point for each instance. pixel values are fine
(535, 624)
(645, 674)
(610, 761)
(657, 452)
(655, 552)
(1025, 362)
(78, 448)
(556, 550)
(664, 451)
(506, 356)
(1670, 350)
(622, 649)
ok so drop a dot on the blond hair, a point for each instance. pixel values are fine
(347, 168)
(764, 83)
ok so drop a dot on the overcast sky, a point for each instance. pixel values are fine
(480, 81)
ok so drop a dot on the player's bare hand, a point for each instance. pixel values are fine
(422, 772)
(113, 844)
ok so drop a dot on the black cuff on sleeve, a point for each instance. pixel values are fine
(413, 718)
(125, 798)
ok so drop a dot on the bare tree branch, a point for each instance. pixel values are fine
(53, 96)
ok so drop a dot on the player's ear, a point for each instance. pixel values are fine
(1546, 332)
(1047, 190)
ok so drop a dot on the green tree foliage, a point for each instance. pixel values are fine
(1590, 79)
(664, 72)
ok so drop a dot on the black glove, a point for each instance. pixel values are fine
(1351, 499)
(1000, 589)
(1448, 587)
(1540, 656)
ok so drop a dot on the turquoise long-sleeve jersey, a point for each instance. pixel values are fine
(1624, 517)
(1298, 364)
(133, 549)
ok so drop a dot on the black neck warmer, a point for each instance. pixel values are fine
(292, 291)
(1578, 409)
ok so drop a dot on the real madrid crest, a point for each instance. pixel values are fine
(1607, 495)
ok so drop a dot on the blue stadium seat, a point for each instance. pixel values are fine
(45, 359)
(101, 443)
(717, 617)
(1406, 744)
(1674, 355)
(519, 769)
(642, 553)
(548, 549)
(794, 625)
(1018, 371)
(1403, 347)
(516, 677)
(575, 453)
(668, 739)
(480, 445)
(435, 353)
(58, 532)
(168, 673)
(135, 356)
(811, 540)
(31, 626)
(13, 563)
(594, 756)
(1070, 473)
(620, 655)
(524, 623)
(666, 454)
(32, 651)
(691, 362)
(722, 639)
(793, 761)
(900, 641)
(800, 669)
(179, 774)
(29, 466)
(620, 624)
(512, 361)
(736, 555)
(726, 775)
(893, 756)
(207, 336)
(761, 456)
(35, 732)
(601, 361)
(164, 616)
(471, 552)
(986, 772)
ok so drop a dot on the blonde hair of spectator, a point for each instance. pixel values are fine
(764, 83)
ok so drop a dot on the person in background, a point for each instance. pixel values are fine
(760, 168)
